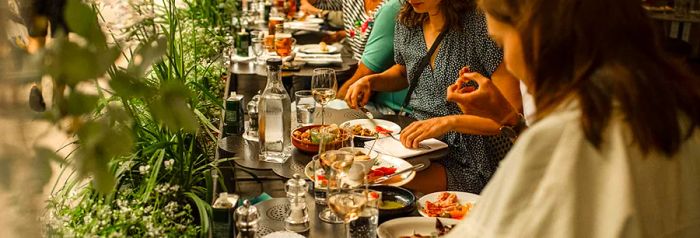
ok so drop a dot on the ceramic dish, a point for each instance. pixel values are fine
(407, 226)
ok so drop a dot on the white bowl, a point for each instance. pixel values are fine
(361, 167)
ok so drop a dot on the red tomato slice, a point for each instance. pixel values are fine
(382, 130)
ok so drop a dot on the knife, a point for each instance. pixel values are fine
(387, 177)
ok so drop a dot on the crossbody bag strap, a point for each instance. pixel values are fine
(413, 81)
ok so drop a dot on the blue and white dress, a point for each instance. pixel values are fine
(473, 158)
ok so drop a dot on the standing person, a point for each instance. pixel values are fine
(616, 148)
(475, 148)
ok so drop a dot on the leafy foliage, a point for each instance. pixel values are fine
(148, 131)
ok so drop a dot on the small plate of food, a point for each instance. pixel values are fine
(455, 205)
(416, 227)
(320, 48)
(365, 129)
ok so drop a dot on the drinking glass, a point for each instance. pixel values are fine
(365, 226)
(258, 48)
(335, 164)
(284, 43)
(323, 87)
(273, 22)
(348, 205)
(305, 107)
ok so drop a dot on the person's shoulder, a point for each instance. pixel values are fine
(392, 5)
(563, 122)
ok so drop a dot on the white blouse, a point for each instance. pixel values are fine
(554, 183)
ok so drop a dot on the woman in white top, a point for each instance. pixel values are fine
(615, 148)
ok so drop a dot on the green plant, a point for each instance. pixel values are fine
(148, 131)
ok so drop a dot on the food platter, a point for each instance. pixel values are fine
(462, 198)
(366, 124)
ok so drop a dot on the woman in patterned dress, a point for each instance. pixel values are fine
(475, 147)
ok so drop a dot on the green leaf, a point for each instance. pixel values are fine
(48, 154)
(171, 107)
(99, 143)
(79, 103)
(82, 20)
(146, 54)
(204, 212)
(127, 85)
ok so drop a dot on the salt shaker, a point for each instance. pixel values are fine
(298, 217)
(253, 116)
(247, 220)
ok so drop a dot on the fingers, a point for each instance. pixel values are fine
(365, 99)
(413, 131)
(480, 79)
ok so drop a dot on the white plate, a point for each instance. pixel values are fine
(283, 234)
(366, 123)
(462, 198)
(382, 161)
(406, 226)
(316, 49)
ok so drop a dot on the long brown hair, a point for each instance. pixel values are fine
(604, 53)
(453, 10)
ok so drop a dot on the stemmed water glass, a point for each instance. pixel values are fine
(323, 87)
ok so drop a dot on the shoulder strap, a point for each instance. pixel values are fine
(413, 81)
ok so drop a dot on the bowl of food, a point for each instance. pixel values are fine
(396, 202)
(308, 138)
(362, 163)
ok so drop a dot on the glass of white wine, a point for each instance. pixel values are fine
(347, 205)
(323, 87)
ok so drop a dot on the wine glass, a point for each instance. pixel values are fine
(348, 205)
(323, 86)
(335, 163)
(258, 48)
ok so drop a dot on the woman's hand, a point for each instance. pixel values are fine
(359, 92)
(487, 101)
(418, 131)
(334, 37)
(308, 8)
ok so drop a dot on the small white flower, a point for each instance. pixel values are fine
(169, 164)
(174, 188)
(144, 169)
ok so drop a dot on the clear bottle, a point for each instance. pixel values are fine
(274, 117)
(253, 116)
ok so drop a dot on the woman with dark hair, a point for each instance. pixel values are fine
(475, 147)
(615, 151)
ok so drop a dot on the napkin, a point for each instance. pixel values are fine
(337, 104)
(320, 58)
(392, 147)
(298, 25)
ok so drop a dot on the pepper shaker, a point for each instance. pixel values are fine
(298, 217)
(247, 220)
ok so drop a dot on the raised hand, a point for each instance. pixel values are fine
(487, 101)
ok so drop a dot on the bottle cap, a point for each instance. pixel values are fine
(274, 62)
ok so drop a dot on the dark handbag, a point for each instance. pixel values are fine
(413, 81)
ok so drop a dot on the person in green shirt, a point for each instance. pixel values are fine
(378, 55)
